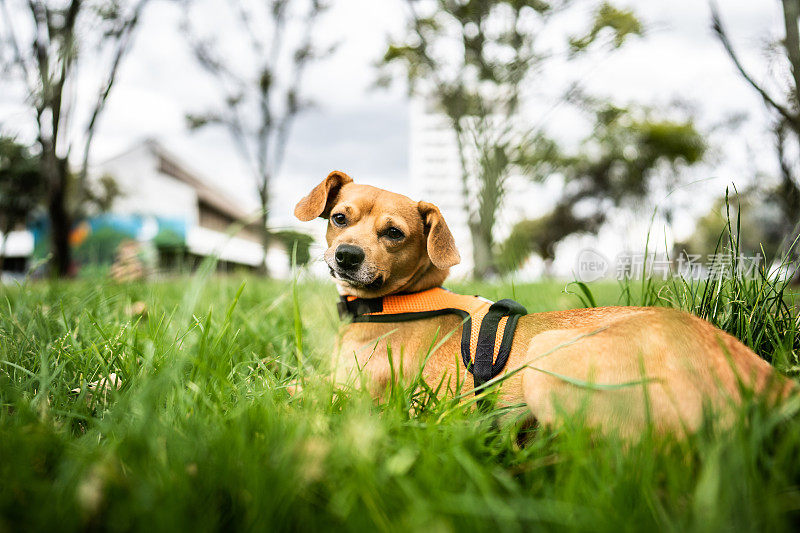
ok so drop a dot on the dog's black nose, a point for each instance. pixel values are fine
(349, 256)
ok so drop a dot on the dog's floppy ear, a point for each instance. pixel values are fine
(319, 201)
(441, 245)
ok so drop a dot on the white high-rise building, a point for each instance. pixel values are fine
(436, 177)
(436, 173)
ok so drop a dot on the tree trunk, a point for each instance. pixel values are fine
(482, 254)
(266, 241)
(548, 269)
(266, 236)
(59, 232)
(789, 188)
(55, 172)
(791, 41)
(483, 229)
(789, 193)
(3, 242)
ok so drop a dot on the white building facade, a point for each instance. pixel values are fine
(154, 184)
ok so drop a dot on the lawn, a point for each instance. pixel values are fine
(196, 430)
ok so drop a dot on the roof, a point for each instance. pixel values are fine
(171, 165)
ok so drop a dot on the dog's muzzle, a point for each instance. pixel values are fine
(347, 263)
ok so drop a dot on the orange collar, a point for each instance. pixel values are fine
(488, 328)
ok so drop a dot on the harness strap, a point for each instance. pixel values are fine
(482, 320)
(486, 366)
(358, 306)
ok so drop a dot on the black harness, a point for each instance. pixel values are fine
(484, 366)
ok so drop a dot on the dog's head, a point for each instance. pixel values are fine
(379, 242)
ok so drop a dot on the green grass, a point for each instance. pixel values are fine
(203, 435)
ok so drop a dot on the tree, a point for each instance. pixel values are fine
(298, 242)
(21, 188)
(260, 101)
(65, 36)
(473, 58)
(781, 95)
(616, 165)
(762, 232)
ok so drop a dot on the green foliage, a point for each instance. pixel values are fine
(203, 435)
(22, 187)
(100, 246)
(409, 55)
(622, 24)
(540, 236)
(98, 197)
(492, 47)
(671, 140)
(615, 165)
(625, 152)
(298, 241)
(167, 238)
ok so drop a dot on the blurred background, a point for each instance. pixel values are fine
(560, 139)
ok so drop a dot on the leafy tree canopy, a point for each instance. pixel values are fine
(473, 60)
(614, 165)
(291, 239)
(21, 184)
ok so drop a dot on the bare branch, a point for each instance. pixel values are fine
(211, 63)
(67, 60)
(124, 40)
(788, 191)
(726, 43)
(278, 16)
(40, 49)
(231, 86)
(259, 111)
(303, 55)
(791, 15)
(240, 138)
(455, 120)
(18, 58)
(245, 18)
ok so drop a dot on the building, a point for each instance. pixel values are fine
(16, 249)
(163, 203)
(435, 170)
(159, 190)
(436, 173)
(436, 177)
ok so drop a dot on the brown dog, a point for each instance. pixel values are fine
(382, 243)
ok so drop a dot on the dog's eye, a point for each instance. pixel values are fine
(339, 219)
(394, 234)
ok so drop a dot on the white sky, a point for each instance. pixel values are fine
(364, 131)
